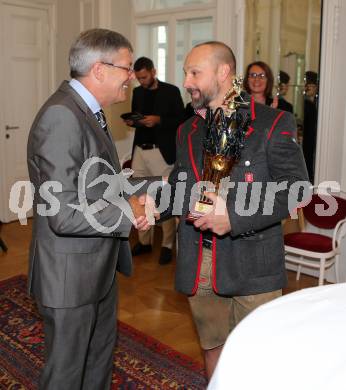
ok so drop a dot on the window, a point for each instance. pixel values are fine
(145, 5)
(161, 52)
(167, 36)
(152, 43)
(188, 34)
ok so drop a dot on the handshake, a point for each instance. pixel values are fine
(144, 211)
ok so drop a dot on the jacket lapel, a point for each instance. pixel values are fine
(108, 141)
(94, 124)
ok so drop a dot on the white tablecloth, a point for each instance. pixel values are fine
(296, 342)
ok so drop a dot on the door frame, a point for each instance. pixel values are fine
(51, 7)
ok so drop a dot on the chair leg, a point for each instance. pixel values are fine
(299, 268)
(322, 269)
(337, 272)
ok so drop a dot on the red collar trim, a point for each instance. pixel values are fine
(274, 124)
(179, 133)
(253, 112)
(200, 251)
(191, 156)
(250, 130)
(214, 264)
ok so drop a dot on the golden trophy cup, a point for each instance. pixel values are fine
(226, 129)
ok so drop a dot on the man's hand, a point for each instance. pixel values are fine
(141, 222)
(148, 203)
(150, 120)
(217, 220)
(275, 102)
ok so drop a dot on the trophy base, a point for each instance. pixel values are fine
(199, 210)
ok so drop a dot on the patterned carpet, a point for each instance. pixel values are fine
(140, 362)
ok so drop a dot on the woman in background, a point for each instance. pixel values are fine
(259, 81)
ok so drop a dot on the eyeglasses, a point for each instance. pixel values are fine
(128, 69)
(261, 76)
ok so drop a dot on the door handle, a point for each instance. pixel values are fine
(11, 127)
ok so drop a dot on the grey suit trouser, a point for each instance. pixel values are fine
(79, 345)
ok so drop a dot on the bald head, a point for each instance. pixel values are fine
(209, 70)
(220, 53)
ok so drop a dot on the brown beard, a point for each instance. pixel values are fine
(201, 102)
(205, 98)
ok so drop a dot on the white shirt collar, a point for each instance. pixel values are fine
(86, 95)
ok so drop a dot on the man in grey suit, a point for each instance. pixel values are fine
(73, 257)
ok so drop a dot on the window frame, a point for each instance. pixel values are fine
(171, 17)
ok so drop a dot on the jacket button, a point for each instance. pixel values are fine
(196, 242)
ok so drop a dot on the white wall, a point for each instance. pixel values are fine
(331, 139)
(68, 27)
(331, 142)
(120, 21)
(111, 14)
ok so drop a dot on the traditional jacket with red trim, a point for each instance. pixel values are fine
(250, 259)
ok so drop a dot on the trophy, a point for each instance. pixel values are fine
(226, 129)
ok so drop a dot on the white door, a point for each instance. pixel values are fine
(24, 86)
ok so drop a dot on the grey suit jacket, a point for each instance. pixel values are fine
(71, 262)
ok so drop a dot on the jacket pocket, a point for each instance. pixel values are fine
(261, 256)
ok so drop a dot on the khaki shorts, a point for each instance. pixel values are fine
(216, 316)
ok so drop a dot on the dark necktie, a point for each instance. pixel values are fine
(101, 118)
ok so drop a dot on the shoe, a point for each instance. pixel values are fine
(165, 255)
(140, 249)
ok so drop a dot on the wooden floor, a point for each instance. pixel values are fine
(147, 300)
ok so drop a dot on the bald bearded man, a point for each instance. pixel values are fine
(229, 263)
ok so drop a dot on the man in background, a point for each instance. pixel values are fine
(283, 89)
(154, 143)
(310, 121)
(73, 261)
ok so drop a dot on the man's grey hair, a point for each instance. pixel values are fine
(95, 45)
